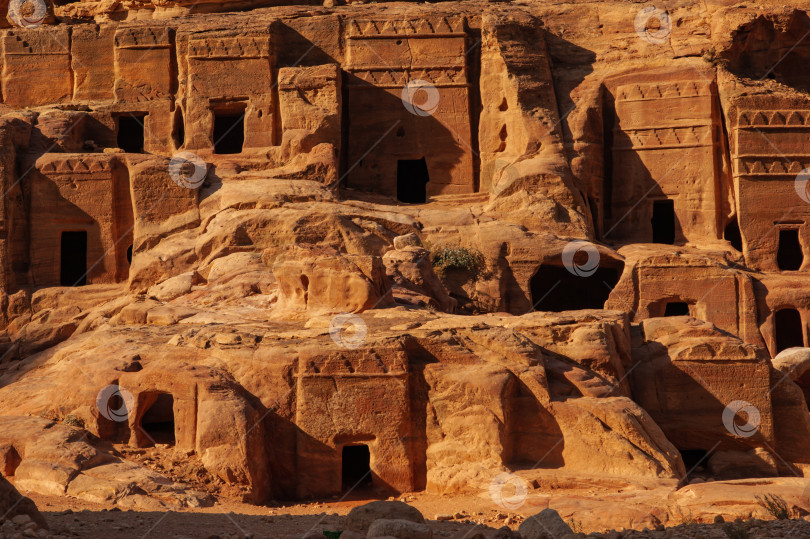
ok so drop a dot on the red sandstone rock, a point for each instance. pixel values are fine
(410, 271)
(324, 281)
(190, 201)
(12, 503)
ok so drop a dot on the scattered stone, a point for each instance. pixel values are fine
(407, 240)
(361, 517)
(544, 525)
(400, 529)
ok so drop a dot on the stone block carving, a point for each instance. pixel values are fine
(144, 66)
(229, 47)
(395, 146)
(36, 67)
(667, 136)
(770, 153)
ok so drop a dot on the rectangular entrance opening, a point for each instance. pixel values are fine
(158, 421)
(789, 256)
(412, 179)
(663, 221)
(356, 467)
(229, 130)
(130, 136)
(73, 259)
(789, 329)
(676, 308)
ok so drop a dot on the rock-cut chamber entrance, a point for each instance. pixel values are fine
(229, 129)
(355, 467)
(130, 135)
(412, 180)
(73, 258)
(158, 421)
(788, 329)
(663, 221)
(554, 288)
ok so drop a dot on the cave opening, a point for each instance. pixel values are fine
(789, 255)
(663, 221)
(555, 288)
(788, 329)
(676, 308)
(762, 49)
(732, 234)
(356, 467)
(412, 179)
(130, 135)
(694, 459)
(73, 258)
(158, 421)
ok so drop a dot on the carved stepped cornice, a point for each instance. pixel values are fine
(422, 27)
(230, 47)
(663, 90)
(763, 119)
(361, 366)
(143, 38)
(772, 166)
(76, 165)
(22, 42)
(660, 138)
(398, 77)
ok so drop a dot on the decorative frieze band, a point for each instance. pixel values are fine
(143, 38)
(773, 118)
(663, 90)
(230, 47)
(426, 26)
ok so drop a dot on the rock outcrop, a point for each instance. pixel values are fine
(290, 251)
(16, 507)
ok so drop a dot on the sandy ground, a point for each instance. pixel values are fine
(589, 504)
(83, 519)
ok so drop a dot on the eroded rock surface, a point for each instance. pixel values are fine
(260, 252)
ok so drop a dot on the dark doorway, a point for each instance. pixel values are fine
(158, 421)
(73, 259)
(179, 132)
(129, 254)
(732, 235)
(229, 131)
(789, 256)
(788, 328)
(663, 221)
(412, 179)
(130, 135)
(356, 467)
(676, 308)
(555, 289)
(693, 459)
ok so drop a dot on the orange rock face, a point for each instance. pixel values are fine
(297, 251)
